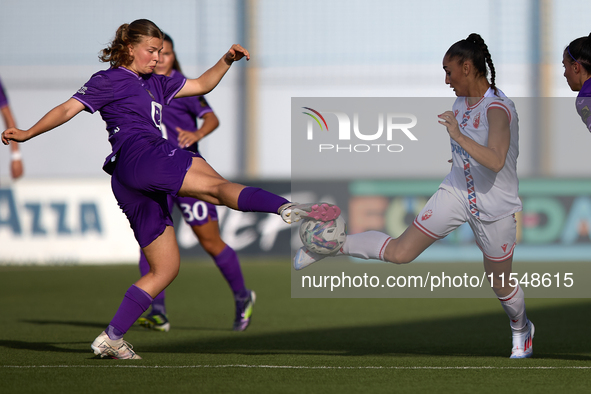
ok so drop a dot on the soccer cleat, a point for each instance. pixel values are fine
(523, 342)
(155, 322)
(244, 311)
(294, 212)
(304, 258)
(119, 349)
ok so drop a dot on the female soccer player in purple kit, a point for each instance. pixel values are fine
(16, 161)
(145, 168)
(180, 127)
(576, 60)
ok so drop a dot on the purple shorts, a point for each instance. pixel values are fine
(195, 212)
(147, 170)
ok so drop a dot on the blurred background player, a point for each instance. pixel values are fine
(576, 60)
(180, 127)
(481, 189)
(145, 168)
(16, 161)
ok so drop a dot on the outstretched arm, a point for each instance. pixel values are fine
(54, 118)
(209, 80)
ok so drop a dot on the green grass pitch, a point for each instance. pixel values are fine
(50, 315)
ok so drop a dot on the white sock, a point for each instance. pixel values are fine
(514, 306)
(366, 245)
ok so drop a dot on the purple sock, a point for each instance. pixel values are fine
(254, 199)
(158, 305)
(135, 302)
(227, 262)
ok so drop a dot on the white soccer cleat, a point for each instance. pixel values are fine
(119, 349)
(304, 258)
(293, 212)
(523, 342)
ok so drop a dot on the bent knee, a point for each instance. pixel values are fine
(397, 256)
(168, 273)
(399, 259)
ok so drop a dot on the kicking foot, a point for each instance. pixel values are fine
(293, 212)
(304, 258)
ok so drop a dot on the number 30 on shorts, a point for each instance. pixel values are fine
(197, 211)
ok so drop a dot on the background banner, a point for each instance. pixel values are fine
(75, 221)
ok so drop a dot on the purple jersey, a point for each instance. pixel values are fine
(3, 98)
(183, 112)
(583, 103)
(129, 104)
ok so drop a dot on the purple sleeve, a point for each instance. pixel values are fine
(96, 93)
(171, 86)
(202, 107)
(3, 98)
(586, 116)
(197, 106)
(583, 105)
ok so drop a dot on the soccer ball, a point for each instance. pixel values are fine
(323, 237)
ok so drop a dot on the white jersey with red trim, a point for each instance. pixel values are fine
(487, 195)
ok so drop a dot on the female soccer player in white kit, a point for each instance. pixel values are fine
(481, 188)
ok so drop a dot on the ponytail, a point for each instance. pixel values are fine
(579, 50)
(474, 48)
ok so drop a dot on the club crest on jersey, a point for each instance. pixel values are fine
(427, 215)
(476, 121)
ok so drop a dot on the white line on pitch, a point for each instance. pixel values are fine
(280, 367)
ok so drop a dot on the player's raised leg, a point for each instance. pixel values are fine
(204, 183)
(374, 245)
(441, 215)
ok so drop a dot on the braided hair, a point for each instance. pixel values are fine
(579, 51)
(117, 53)
(474, 48)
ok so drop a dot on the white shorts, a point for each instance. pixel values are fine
(443, 213)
